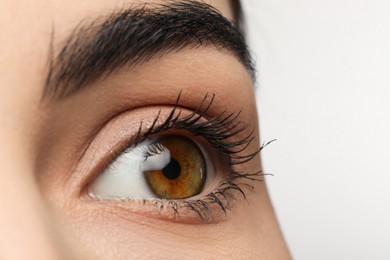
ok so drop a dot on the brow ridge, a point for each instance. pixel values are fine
(132, 36)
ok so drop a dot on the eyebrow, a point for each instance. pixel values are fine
(132, 36)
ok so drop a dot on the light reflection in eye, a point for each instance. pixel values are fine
(169, 167)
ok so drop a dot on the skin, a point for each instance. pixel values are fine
(46, 164)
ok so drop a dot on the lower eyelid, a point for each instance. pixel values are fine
(150, 212)
(177, 211)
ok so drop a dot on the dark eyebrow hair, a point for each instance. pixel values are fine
(135, 35)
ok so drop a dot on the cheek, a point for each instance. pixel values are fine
(136, 237)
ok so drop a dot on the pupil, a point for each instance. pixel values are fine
(172, 170)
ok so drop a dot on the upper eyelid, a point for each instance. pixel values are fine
(91, 135)
(98, 152)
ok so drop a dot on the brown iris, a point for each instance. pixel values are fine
(185, 174)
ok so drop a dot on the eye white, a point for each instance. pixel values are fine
(124, 178)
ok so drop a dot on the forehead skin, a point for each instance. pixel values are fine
(26, 32)
(29, 34)
(37, 221)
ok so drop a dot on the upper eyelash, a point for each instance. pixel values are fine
(153, 149)
(216, 130)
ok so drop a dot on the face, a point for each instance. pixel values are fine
(129, 131)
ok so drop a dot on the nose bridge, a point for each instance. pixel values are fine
(25, 231)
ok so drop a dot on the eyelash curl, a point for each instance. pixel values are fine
(217, 131)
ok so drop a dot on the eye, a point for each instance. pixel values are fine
(167, 167)
(184, 164)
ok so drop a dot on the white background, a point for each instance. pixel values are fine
(324, 93)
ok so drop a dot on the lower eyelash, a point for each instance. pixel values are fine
(223, 197)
